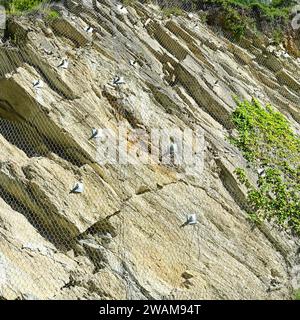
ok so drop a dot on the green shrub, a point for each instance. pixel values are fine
(23, 5)
(297, 295)
(203, 16)
(175, 11)
(53, 14)
(234, 23)
(277, 36)
(234, 16)
(268, 142)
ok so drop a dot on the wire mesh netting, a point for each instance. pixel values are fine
(72, 226)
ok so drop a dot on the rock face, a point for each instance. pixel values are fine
(122, 238)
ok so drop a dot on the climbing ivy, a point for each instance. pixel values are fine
(271, 147)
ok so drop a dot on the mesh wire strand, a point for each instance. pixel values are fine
(25, 135)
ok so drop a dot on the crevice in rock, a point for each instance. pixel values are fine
(101, 227)
(167, 41)
(106, 19)
(63, 152)
(208, 102)
(22, 136)
(172, 108)
(132, 277)
(39, 223)
(284, 252)
(50, 76)
(163, 99)
(10, 60)
(26, 54)
(41, 131)
(177, 31)
(142, 190)
(62, 27)
(121, 110)
(231, 185)
(26, 137)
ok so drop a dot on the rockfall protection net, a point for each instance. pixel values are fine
(62, 69)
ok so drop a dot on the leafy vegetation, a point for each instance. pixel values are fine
(277, 36)
(297, 295)
(235, 16)
(175, 11)
(272, 148)
(15, 6)
(53, 14)
(252, 13)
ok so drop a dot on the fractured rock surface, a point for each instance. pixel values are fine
(121, 238)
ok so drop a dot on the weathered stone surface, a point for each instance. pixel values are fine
(122, 238)
(30, 265)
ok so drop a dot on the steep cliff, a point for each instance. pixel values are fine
(122, 238)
